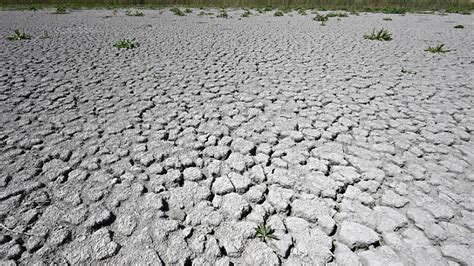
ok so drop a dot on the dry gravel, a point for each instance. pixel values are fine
(175, 151)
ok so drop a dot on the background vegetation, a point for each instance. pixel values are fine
(359, 5)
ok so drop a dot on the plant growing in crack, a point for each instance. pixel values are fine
(378, 35)
(135, 14)
(176, 11)
(18, 35)
(265, 232)
(440, 48)
(126, 44)
(60, 10)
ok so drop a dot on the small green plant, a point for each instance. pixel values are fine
(265, 232)
(302, 11)
(246, 14)
(337, 14)
(387, 19)
(278, 13)
(321, 18)
(188, 10)
(460, 26)
(126, 44)
(378, 35)
(176, 11)
(407, 71)
(222, 14)
(60, 10)
(33, 8)
(134, 14)
(437, 49)
(45, 35)
(18, 35)
(268, 8)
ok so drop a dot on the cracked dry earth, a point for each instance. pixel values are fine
(174, 152)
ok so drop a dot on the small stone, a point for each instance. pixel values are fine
(355, 235)
(59, 237)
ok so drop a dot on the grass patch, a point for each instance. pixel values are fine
(378, 35)
(127, 44)
(265, 233)
(134, 14)
(246, 14)
(337, 15)
(439, 49)
(188, 10)
(321, 18)
(460, 26)
(407, 71)
(176, 11)
(302, 11)
(18, 35)
(222, 14)
(60, 10)
(278, 13)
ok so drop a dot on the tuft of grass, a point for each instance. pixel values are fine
(127, 44)
(407, 71)
(378, 35)
(188, 10)
(460, 26)
(265, 232)
(18, 35)
(278, 14)
(134, 14)
(302, 11)
(222, 14)
(337, 14)
(45, 35)
(321, 18)
(387, 19)
(176, 11)
(60, 10)
(246, 14)
(440, 48)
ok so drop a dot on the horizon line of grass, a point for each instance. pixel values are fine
(382, 6)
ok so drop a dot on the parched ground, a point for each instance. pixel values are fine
(175, 151)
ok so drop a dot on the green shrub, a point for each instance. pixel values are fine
(222, 14)
(379, 35)
(321, 18)
(278, 14)
(265, 232)
(460, 26)
(126, 44)
(134, 14)
(246, 14)
(188, 10)
(18, 35)
(176, 11)
(60, 10)
(437, 49)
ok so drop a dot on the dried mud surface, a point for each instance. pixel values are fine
(175, 151)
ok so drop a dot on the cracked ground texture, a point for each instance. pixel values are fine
(174, 152)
